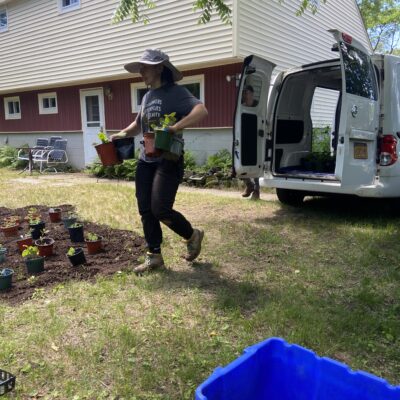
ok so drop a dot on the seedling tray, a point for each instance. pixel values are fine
(7, 382)
(276, 370)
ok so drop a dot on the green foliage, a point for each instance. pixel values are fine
(92, 237)
(71, 251)
(30, 252)
(189, 162)
(8, 158)
(222, 160)
(382, 20)
(306, 4)
(165, 122)
(321, 140)
(103, 137)
(76, 225)
(126, 170)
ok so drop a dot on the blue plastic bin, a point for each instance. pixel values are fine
(276, 370)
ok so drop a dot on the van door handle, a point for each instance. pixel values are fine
(260, 133)
(354, 111)
(341, 139)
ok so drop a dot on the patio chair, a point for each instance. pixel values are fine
(52, 156)
(41, 143)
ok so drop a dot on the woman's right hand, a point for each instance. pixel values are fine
(118, 135)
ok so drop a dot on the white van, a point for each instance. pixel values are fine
(273, 138)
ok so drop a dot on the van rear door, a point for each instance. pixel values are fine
(250, 122)
(359, 116)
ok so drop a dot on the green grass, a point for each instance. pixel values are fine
(325, 276)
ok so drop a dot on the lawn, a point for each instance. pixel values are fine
(325, 276)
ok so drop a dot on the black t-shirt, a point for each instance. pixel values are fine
(164, 100)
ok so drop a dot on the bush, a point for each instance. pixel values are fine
(321, 140)
(189, 161)
(221, 161)
(8, 158)
(126, 170)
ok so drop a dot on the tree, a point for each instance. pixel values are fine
(382, 20)
(136, 9)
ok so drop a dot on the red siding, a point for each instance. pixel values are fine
(220, 97)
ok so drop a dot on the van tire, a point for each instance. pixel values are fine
(290, 197)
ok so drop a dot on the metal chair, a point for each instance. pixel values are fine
(55, 155)
(41, 143)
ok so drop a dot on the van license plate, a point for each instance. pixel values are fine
(360, 151)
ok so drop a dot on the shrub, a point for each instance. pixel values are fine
(8, 158)
(321, 140)
(189, 161)
(222, 160)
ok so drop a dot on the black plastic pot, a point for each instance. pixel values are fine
(78, 258)
(76, 234)
(125, 148)
(34, 265)
(36, 230)
(6, 278)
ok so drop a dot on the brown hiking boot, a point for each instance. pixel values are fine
(255, 195)
(194, 244)
(151, 261)
(248, 191)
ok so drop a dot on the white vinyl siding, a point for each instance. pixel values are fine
(272, 30)
(12, 107)
(3, 19)
(49, 48)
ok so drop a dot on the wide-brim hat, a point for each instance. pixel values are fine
(154, 57)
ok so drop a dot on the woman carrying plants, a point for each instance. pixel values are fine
(158, 178)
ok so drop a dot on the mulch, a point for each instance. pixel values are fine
(121, 249)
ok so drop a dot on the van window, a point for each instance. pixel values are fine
(360, 78)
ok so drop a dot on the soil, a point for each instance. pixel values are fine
(120, 252)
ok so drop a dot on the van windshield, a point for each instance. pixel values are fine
(360, 79)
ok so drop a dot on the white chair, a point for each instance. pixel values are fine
(52, 156)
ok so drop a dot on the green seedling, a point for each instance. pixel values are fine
(30, 252)
(76, 225)
(103, 137)
(165, 122)
(71, 251)
(92, 237)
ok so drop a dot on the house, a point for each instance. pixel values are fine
(61, 69)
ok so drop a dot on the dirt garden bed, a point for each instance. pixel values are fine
(121, 250)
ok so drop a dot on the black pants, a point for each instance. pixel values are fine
(156, 187)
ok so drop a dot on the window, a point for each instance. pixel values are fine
(48, 103)
(12, 107)
(3, 20)
(195, 85)
(360, 77)
(68, 5)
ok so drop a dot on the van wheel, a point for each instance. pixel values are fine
(290, 197)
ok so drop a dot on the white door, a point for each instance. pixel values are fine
(249, 131)
(92, 111)
(359, 117)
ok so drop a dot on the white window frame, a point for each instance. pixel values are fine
(4, 28)
(6, 111)
(49, 110)
(185, 81)
(63, 9)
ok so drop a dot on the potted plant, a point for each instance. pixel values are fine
(76, 256)
(9, 228)
(76, 232)
(106, 150)
(24, 241)
(36, 225)
(55, 214)
(34, 262)
(69, 219)
(45, 245)
(33, 213)
(13, 218)
(3, 252)
(163, 138)
(93, 243)
(6, 278)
